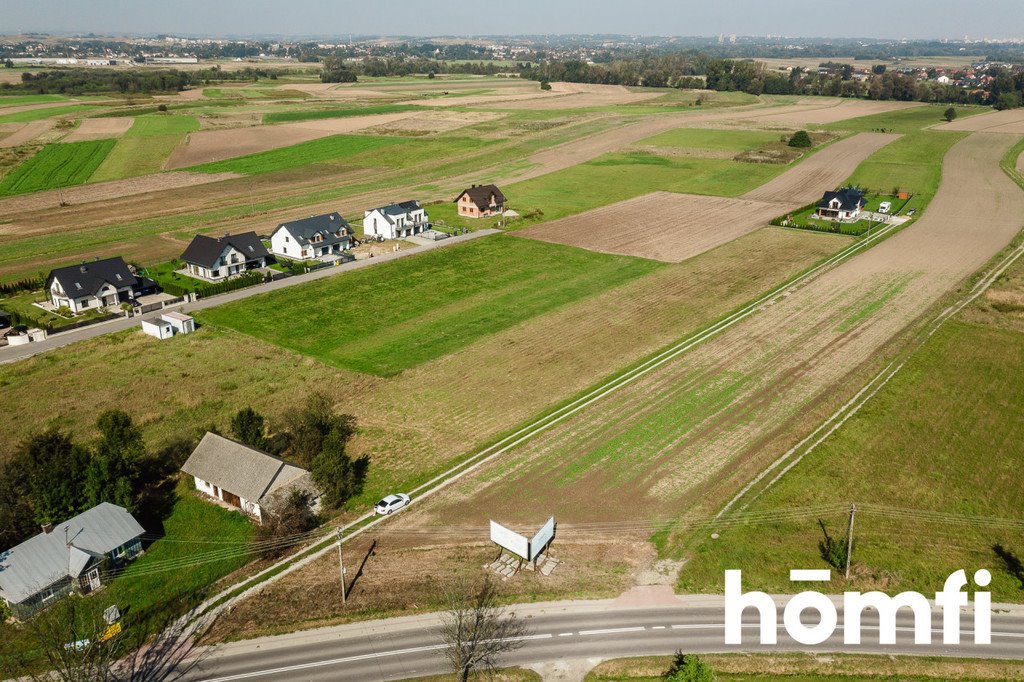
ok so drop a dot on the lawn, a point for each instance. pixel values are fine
(164, 273)
(395, 316)
(145, 146)
(912, 163)
(316, 114)
(327, 149)
(943, 436)
(23, 304)
(57, 165)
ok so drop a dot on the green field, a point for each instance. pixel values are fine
(398, 315)
(48, 112)
(913, 163)
(145, 146)
(12, 100)
(57, 165)
(316, 114)
(333, 148)
(943, 436)
(707, 138)
(904, 120)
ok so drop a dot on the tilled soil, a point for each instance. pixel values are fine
(100, 128)
(27, 133)
(1010, 121)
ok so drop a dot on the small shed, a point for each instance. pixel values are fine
(182, 323)
(158, 328)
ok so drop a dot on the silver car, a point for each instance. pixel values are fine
(391, 504)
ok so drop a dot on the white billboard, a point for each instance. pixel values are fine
(542, 538)
(510, 540)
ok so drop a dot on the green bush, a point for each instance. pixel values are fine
(800, 140)
(689, 668)
(246, 280)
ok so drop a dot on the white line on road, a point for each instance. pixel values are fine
(611, 631)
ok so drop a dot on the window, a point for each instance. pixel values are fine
(78, 286)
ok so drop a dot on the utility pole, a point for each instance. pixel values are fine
(341, 567)
(849, 539)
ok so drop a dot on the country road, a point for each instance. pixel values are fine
(402, 648)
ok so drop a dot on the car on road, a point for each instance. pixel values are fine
(885, 207)
(391, 504)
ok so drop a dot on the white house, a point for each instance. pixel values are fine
(314, 237)
(74, 556)
(247, 479)
(95, 284)
(395, 221)
(168, 324)
(217, 258)
(844, 204)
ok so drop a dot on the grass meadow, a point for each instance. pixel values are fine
(145, 146)
(328, 149)
(944, 437)
(317, 114)
(57, 165)
(47, 112)
(397, 315)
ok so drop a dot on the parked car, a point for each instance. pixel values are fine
(16, 330)
(134, 302)
(391, 504)
(911, 212)
(885, 207)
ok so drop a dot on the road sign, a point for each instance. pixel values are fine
(111, 631)
(111, 614)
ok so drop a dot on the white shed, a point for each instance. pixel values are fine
(159, 328)
(182, 323)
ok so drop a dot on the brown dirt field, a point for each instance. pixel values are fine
(1010, 121)
(663, 225)
(27, 133)
(105, 191)
(334, 91)
(216, 145)
(18, 108)
(438, 121)
(100, 128)
(689, 434)
(823, 170)
(673, 227)
(406, 574)
(213, 121)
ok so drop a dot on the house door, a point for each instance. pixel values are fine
(232, 499)
(94, 579)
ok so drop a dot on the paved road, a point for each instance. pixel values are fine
(15, 353)
(408, 647)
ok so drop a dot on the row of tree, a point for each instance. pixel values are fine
(78, 81)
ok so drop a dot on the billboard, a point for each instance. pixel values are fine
(542, 538)
(510, 540)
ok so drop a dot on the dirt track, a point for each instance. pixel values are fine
(673, 227)
(697, 428)
(822, 171)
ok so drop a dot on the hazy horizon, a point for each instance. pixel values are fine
(880, 19)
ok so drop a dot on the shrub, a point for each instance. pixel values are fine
(162, 107)
(689, 668)
(544, 85)
(800, 140)
(949, 114)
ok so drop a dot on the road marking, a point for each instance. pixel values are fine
(610, 631)
(565, 634)
(657, 627)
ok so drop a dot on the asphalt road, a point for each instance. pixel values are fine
(60, 339)
(409, 647)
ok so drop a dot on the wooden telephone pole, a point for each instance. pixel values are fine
(849, 539)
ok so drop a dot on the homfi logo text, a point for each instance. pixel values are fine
(950, 600)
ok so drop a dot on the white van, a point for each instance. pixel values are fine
(885, 207)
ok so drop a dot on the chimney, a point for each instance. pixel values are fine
(47, 528)
(83, 268)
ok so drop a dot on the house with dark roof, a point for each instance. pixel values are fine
(247, 479)
(480, 201)
(217, 258)
(74, 556)
(318, 236)
(396, 221)
(843, 204)
(95, 284)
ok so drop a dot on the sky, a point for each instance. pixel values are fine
(816, 18)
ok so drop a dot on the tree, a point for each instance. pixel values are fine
(144, 651)
(430, 74)
(544, 85)
(689, 668)
(112, 474)
(249, 427)
(335, 71)
(16, 517)
(477, 630)
(949, 114)
(801, 140)
(56, 477)
(285, 525)
(307, 426)
(338, 476)
(1007, 100)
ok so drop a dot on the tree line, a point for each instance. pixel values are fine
(78, 81)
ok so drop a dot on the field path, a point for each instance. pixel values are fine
(673, 227)
(696, 429)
